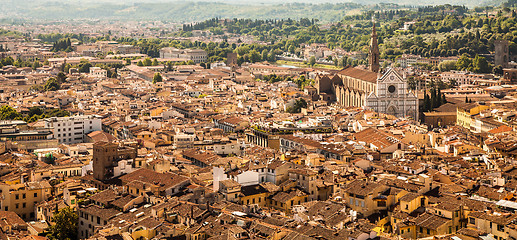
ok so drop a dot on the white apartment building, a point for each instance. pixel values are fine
(97, 72)
(70, 130)
(464, 77)
(196, 55)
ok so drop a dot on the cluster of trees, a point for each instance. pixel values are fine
(85, 65)
(273, 78)
(63, 44)
(157, 78)
(65, 227)
(457, 33)
(147, 62)
(34, 114)
(54, 37)
(302, 81)
(476, 35)
(249, 26)
(477, 64)
(9, 33)
(436, 99)
(7, 61)
(52, 84)
(213, 22)
(37, 113)
(298, 105)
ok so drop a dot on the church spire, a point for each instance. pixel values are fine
(373, 55)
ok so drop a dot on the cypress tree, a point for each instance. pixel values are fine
(427, 103)
(439, 98)
(433, 99)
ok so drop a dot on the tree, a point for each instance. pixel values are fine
(52, 85)
(264, 55)
(301, 81)
(155, 62)
(36, 64)
(148, 62)
(433, 99)
(427, 103)
(65, 226)
(35, 111)
(412, 83)
(498, 70)
(464, 63)
(291, 49)
(480, 65)
(438, 97)
(298, 105)
(8, 113)
(447, 66)
(140, 63)
(61, 77)
(254, 56)
(312, 61)
(157, 78)
(271, 57)
(84, 67)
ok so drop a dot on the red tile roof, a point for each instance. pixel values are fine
(501, 129)
(357, 73)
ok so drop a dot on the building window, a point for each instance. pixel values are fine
(500, 228)
(24, 196)
(17, 196)
(24, 205)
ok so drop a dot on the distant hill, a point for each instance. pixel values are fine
(187, 11)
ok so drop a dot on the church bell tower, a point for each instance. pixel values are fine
(373, 55)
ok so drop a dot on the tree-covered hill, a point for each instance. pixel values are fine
(191, 10)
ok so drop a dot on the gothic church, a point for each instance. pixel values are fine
(356, 87)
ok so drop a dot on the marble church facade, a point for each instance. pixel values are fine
(381, 91)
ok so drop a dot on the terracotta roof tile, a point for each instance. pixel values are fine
(360, 74)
